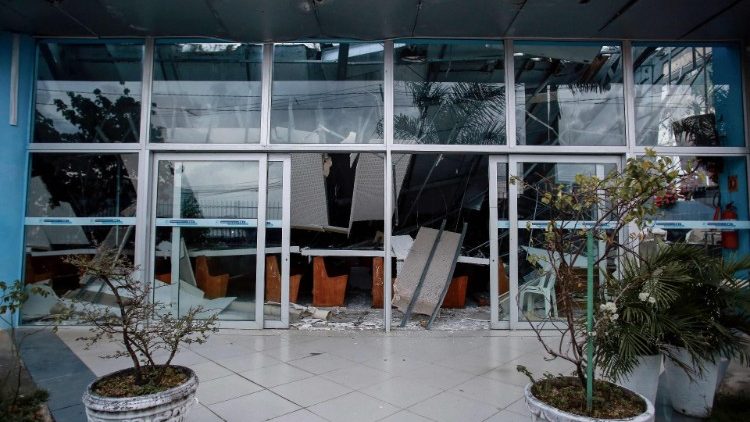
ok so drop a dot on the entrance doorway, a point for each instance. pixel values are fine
(220, 236)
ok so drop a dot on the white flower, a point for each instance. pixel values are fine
(614, 317)
(643, 296)
(651, 300)
(609, 307)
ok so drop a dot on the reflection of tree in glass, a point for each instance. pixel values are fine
(98, 119)
(93, 184)
(459, 113)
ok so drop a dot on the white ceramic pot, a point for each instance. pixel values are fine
(167, 406)
(692, 397)
(541, 411)
(644, 379)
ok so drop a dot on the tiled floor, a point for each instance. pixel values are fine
(289, 375)
(352, 376)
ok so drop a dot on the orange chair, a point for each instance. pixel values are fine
(213, 286)
(378, 282)
(456, 295)
(327, 291)
(273, 282)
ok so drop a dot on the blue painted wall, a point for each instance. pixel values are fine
(13, 141)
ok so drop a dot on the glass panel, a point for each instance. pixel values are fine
(545, 176)
(88, 92)
(537, 279)
(503, 240)
(688, 95)
(216, 269)
(211, 233)
(336, 218)
(206, 93)
(82, 185)
(274, 238)
(717, 192)
(327, 93)
(208, 189)
(430, 189)
(46, 247)
(449, 93)
(569, 94)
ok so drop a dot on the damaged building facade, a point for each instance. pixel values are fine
(281, 180)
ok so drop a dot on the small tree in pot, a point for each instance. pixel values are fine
(146, 330)
(611, 208)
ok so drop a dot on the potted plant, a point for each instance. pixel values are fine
(146, 330)
(647, 287)
(606, 209)
(716, 301)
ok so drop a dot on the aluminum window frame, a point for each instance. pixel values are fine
(150, 153)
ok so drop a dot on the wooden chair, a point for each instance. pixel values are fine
(378, 282)
(273, 282)
(327, 290)
(456, 295)
(213, 286)
(33, 275)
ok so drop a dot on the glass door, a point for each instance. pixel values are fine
(532, 277)
(278, 288)
(208, 233)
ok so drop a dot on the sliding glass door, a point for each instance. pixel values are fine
(210, 229)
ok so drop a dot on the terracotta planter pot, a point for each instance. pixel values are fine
(541, 411)
(170, 405)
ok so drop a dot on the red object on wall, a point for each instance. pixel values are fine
(729, 239)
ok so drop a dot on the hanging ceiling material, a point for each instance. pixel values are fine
(283, 20)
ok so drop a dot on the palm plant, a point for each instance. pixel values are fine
(679, 296)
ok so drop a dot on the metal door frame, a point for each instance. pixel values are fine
(513, 162)
(260, 222)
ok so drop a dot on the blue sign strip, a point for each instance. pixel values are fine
(207, 222)
(80, 221)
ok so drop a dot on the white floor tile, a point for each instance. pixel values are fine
(226, 388)
(259, 406)
(311, 391)
(272, 376)
(490, 391)
(302, 415)
(322, 363)
(354, 406)
(402, 392)
(358, 376)
(450, 407)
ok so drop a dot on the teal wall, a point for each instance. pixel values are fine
(13, 140)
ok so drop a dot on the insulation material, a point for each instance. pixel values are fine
(309, 204)
(367, 198)
(438, 272)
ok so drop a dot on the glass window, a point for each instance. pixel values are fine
(206, 93)
(432, 189)
(569, 94)
(87, 92)
(206, 237)
(708, 209)
(327, 93)
(82, 185)
(688, 95)
(449, 93)
(46, 247)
